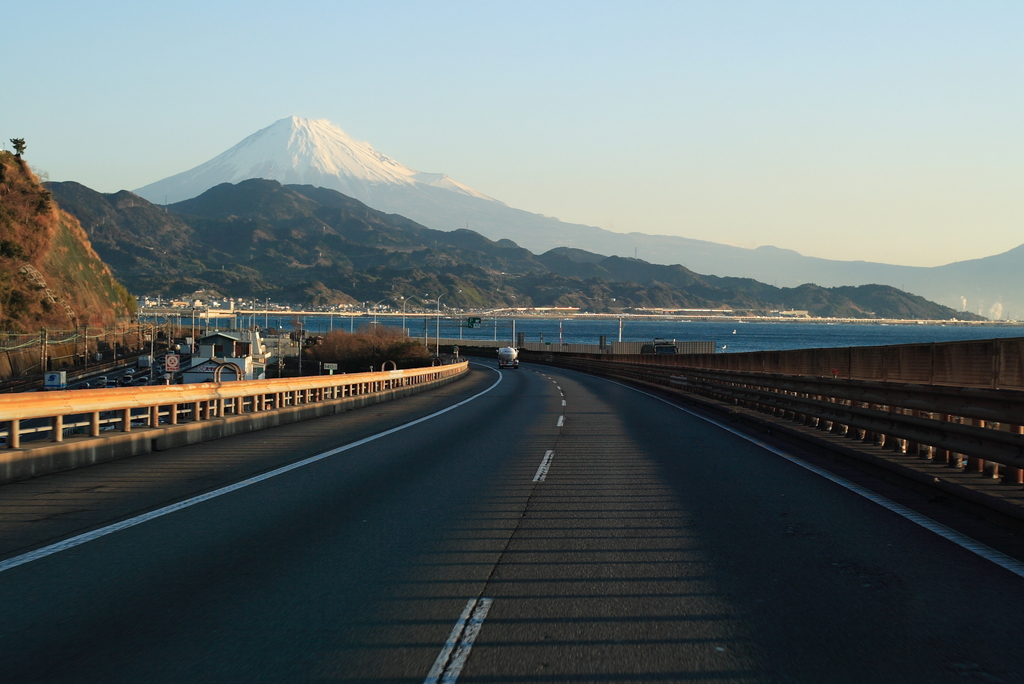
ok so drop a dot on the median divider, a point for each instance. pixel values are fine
(53, 431)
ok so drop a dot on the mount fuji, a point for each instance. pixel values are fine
(316, 152)
(303, 152)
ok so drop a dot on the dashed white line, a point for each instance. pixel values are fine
(563, 402)
(453, 654)
(561, 421)
(542, 471)
(92, 535)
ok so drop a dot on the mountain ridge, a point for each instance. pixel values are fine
(304, 151)
(260, 238)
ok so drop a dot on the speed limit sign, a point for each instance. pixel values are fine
(172, 362)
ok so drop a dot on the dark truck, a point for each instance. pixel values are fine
(659, 346)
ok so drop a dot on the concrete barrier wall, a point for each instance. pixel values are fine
(80, 451)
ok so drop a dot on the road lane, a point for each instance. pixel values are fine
(661, 549)
(357, 563)
(41, 510)
(654, 548)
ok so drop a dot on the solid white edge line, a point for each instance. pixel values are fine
(561, 421)
(542, 470)
(962, 540)
(92, 535)
(442, 658)
(473, 626)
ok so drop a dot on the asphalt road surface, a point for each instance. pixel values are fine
(546, 527)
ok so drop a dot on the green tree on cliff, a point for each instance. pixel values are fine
(19, 146)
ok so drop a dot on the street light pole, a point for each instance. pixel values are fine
(375, 310)
(405, 302)
(437, 330)
(426, 324)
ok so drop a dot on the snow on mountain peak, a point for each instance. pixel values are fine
(301, 151)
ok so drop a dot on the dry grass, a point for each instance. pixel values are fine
(355, 352)
(34, 231)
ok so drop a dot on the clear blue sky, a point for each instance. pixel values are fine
(876, 130)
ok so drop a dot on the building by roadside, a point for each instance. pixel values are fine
(240, 353)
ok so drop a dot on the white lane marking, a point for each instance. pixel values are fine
(545, 464)
(563, 402)
(447, 667)
(85, 537)
(962, 540)
(558, 387)
(561, 421)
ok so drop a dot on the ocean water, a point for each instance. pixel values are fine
(729, 337)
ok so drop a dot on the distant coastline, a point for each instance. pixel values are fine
(525, 314)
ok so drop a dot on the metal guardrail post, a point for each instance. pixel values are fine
(57, 427)
(976, 465)
(942, 456)
(1011, 475)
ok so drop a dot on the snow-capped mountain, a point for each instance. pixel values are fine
(316, 152)
(304, 152)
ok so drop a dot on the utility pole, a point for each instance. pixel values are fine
(42, 351)
(152, 354)
(437, 330)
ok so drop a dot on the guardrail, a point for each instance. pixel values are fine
(975, 428)
(58, 414)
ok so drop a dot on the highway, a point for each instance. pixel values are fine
(531, 525)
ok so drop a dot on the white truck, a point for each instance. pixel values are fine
(145, 361)
(508, 357)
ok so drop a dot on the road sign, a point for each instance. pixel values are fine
(172, 362)
(472, 322)
(330, 367)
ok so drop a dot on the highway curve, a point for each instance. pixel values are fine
(548, 527)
